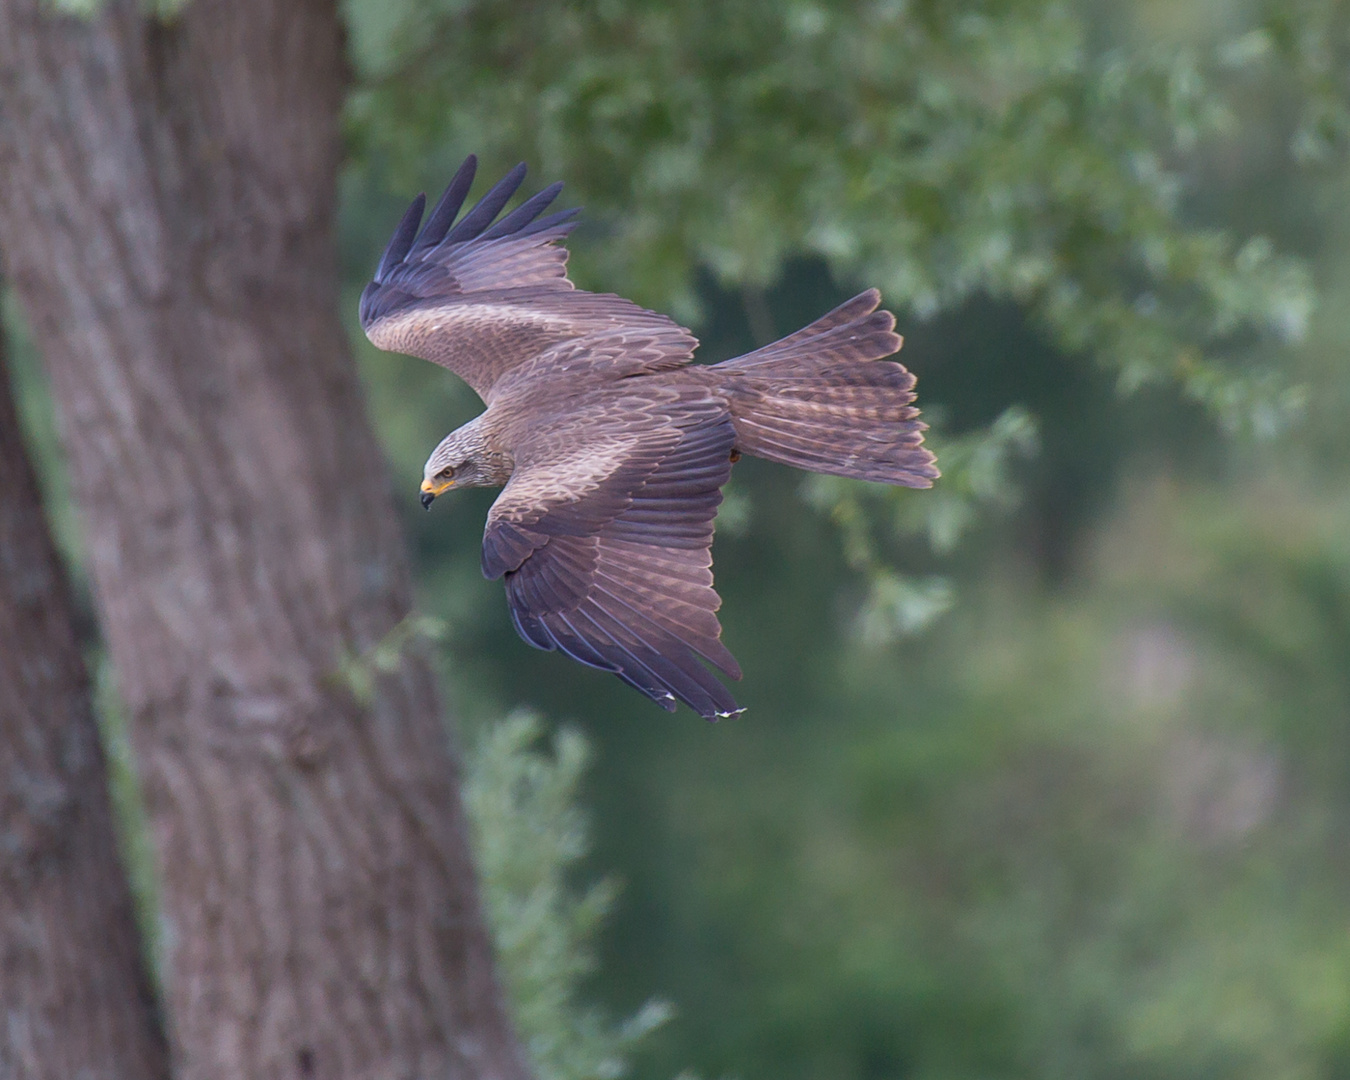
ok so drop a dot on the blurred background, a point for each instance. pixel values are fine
(1045, 772)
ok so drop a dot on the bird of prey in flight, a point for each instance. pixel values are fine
(610, 446)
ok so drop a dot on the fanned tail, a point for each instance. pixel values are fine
(823, 399)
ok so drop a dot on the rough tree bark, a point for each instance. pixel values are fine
(167, 217)
(74, 992)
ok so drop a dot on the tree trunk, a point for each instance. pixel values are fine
(73, 987)
(167, 212)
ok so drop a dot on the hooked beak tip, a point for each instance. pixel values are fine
(427, 499)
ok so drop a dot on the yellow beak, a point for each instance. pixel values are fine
(430, 489)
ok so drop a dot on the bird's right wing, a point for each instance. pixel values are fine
(604, 535)
(482, 296)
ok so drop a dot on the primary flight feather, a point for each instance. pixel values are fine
(611, 447)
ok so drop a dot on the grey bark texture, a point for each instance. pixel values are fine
(75, 997)
(167, 219)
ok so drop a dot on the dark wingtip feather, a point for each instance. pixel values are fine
(402, 240)
(531, 630)
(367, 304)
(448, 205)
(561, 218)
(523, 214)
(712, 718)
(488, 207)
(662, 697)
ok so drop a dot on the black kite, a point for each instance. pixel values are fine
(613, 448)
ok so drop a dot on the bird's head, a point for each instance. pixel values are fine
(462, 460)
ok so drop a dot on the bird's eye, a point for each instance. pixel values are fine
(448, 473)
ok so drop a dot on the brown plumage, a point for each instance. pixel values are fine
(611, 446)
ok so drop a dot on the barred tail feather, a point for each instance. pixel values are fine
(823, 399)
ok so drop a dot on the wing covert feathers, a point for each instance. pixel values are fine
(481, 298)
(614, 567)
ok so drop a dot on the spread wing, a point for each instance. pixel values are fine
(604, 537)
(482, 296)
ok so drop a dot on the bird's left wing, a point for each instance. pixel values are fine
(481, 296)
(604, 536)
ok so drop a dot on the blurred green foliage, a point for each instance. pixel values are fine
(934, 149)
(528, 835)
